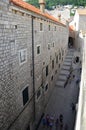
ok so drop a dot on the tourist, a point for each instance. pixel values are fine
(61, 117)
(44, 122)
(61, 125)
(61, 121)
(47, 120)
(56, 124)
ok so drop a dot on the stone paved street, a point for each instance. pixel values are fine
(60, 102)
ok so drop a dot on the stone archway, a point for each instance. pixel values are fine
(70, 42)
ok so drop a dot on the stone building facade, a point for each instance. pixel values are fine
(33, 46)
(80, 17)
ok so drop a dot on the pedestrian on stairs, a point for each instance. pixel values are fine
(56, 124)
(61, 121)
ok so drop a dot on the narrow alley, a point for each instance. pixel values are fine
(63, 96)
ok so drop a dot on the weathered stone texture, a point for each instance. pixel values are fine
(15, 35)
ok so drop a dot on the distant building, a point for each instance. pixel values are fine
(65, 14)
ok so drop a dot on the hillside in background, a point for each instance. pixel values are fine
(51, 3)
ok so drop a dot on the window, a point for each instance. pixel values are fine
(23, 56)
(46, 87)
(52, 78)
(41, 26)
(48, 46)
(56, 59)
(38, 49)
(55, 28)
(15, 26)
(47, 70)
(25, 95)
(52, 64)
(49, 27)
(38, 93)
(59, 55)
(53, 44)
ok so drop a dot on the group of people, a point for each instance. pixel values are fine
(49, 121)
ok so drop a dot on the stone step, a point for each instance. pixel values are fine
(68, 60)
(67, 63)
(62, 77)
(65, 67)
(69, 57)
(60, 83)
(70, 53)
(65, 72)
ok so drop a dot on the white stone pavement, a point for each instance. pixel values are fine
(60, 103)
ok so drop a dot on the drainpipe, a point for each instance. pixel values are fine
(32, 21)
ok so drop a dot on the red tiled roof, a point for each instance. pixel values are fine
(30, 7)
(71, 27)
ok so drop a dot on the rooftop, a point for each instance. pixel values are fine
(31, 8)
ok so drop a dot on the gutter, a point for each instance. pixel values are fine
(32, 21)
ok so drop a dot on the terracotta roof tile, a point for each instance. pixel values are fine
(71, 28)
(32, 8)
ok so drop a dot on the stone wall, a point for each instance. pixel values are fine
(16, 68)
(15, 35)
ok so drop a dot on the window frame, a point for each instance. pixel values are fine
(49, 27)
(22, 56)
(45, 87)
(53, 64)
(38, 51)
(47, 70)
(25, 101)
(41, 26)
(38, 97)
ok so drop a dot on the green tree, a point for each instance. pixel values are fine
(50, 3)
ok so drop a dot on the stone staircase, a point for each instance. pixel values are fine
(65, 70)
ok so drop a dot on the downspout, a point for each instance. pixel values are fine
(32, 21)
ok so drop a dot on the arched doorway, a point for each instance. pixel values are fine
(70, 42)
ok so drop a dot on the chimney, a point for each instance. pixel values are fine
(42, 5)
(59, 17)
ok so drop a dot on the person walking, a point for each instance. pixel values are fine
(51, 122)
(56, 124)
(47, 120)
(61, 117)
(61, 121)
(44, 122)
(61, 125)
